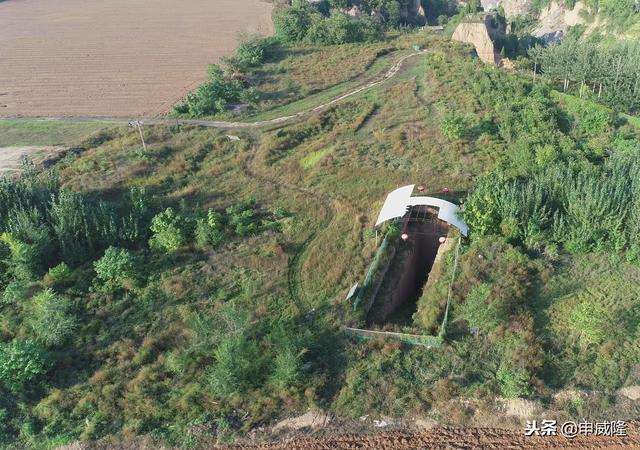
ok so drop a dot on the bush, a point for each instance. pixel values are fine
(286, 370)
(170, 231)
(213, 96)
(453, 126)
(291, 24)
(341, 29)
(116, 268)
(22, 363)
(303, 23)
(51, 321)
(585, 211)
(23, 263)
(237, 366)
(513, 383)
(60, 274)
(209, 231)
(254, 51)
(15, 291)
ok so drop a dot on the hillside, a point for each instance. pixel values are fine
(552, 18)
(190, 291)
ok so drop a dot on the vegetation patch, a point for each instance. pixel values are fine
(193, 290)
(33, 132)
(312, 158)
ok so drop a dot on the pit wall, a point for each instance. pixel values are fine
(409, 272)
(432, 303)
(375, 276)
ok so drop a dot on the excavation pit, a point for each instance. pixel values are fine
(396, 301)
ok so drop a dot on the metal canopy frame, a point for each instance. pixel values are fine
(400, 201)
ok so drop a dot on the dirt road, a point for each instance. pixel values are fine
(116, 58)
(392, 72)
(11, 157)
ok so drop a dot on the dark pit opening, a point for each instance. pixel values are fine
(397, 299)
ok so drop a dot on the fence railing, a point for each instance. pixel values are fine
(414, 339)
(374, 277)
(443, 327)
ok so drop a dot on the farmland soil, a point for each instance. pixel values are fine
(454, 438)
(119, 58)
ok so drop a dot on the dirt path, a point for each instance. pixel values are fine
(11, 157)
(295, 286)
(327, 204)
(392, 72)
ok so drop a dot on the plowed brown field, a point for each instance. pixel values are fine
(122, 58)
(454, 438)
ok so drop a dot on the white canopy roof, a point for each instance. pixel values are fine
(399, 202)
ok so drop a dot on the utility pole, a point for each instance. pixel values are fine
(138, 124)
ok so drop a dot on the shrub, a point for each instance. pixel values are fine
(585, 211)
(254, 51)
(302, 22)
(214, 95)
(170, 231)
(117, 267)
(15, 291)
(51, 321)
(291, 24)
(513, 383)
(236, 367)
(286, 369)
(60, 274)
(341, 29)
(453, 126)
(23, 262)
(21, 364)
(209, 231)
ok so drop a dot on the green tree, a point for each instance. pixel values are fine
(453, 126)
(214, 95)
(170, 231)
(117, 268)
(51, 320)
(237, 366)
(23, 263)
(514, 383)
(210, 231)
(291, 23)
(286, 368)
(22, 363)
(252, 52)
(60, 274)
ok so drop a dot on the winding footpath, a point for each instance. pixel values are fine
(295, 286)
(392, 72)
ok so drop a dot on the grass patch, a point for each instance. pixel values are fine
(19, 132)
(633, 120)
(312, 159)
(588, 312)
